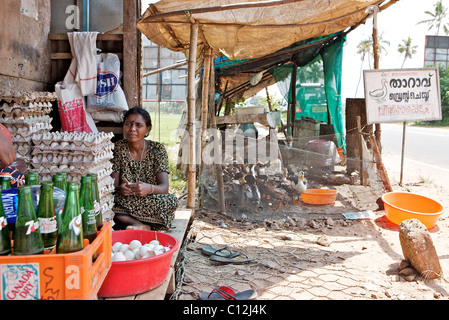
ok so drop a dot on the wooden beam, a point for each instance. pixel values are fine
(191, 175)
(100, 37)
(219, 8)
(173, 66)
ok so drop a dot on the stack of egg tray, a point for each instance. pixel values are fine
(24, 114)
(77, 154)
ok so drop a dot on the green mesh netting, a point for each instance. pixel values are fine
(317, 97)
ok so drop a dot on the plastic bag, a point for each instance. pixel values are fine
(109, 95)
(10, 200)
(71, 108)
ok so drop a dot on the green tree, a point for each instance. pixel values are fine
(365, 48)
(407, 49)
(436, 18)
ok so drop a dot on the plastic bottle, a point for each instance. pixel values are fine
(70, 234)
(96, 200)
(27, 236)
(5, 238)
(46, 215)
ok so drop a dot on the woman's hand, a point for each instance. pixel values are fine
(125, 188)
(140, 188)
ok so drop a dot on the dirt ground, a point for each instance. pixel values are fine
(303, 254)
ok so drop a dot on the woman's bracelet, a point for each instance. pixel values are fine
(152, 187)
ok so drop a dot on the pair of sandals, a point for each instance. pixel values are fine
(225, 255)
(227, 293)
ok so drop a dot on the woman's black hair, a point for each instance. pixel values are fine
(141, 111)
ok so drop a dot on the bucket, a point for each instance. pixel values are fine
(136, 276)
(400, 206)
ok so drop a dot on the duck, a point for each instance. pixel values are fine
(276, 197)
(379, 94)
(298, 183)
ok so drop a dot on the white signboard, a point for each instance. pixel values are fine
(402, 95)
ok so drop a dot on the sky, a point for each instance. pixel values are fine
(396, 23)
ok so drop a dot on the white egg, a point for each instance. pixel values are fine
(118, 256)
(149, 247)
(167, 249)
(159, 248)
(135, 244)
(116, 246)
(158, 252)
(143, 252)
(151, 253)
(154, 242)
(129, 255)
(124, 247)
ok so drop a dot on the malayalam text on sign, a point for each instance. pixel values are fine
(402, 95)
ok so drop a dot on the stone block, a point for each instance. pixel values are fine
(418, 249)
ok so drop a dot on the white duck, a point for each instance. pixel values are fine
(379, 94)
(299, 184)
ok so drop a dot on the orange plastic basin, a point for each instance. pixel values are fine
(400, 206)
(319, 196)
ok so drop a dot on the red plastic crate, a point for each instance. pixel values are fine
(71, 276)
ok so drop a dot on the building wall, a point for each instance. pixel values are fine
(101, 16)
(24, 46)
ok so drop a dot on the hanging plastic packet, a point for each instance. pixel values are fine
(10, 200)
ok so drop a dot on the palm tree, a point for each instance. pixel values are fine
(366, 47)
(437, 18)
(407, 49)
(363, 48)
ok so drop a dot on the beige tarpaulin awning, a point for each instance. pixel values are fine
(245, 29)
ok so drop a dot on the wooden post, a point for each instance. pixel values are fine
(213, 124)
(130, 70)
(292, 112)
(380, 165)
(191, 175)
(362, 169)
(205, 98)
(376, 66)
(402, 154)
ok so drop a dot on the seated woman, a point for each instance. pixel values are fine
(140, 170)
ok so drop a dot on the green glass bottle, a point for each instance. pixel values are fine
(46, 215)
(60, 183)
(64, 176)
(87, 209)
(96, 200)
(32, 178)
(5, 239)
(5, 179)
(27, 235)
(70, 234)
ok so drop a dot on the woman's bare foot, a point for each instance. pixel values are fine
(139, 226)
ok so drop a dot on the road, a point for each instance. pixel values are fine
(426, 155)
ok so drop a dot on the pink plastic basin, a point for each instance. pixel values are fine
(136, 276)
